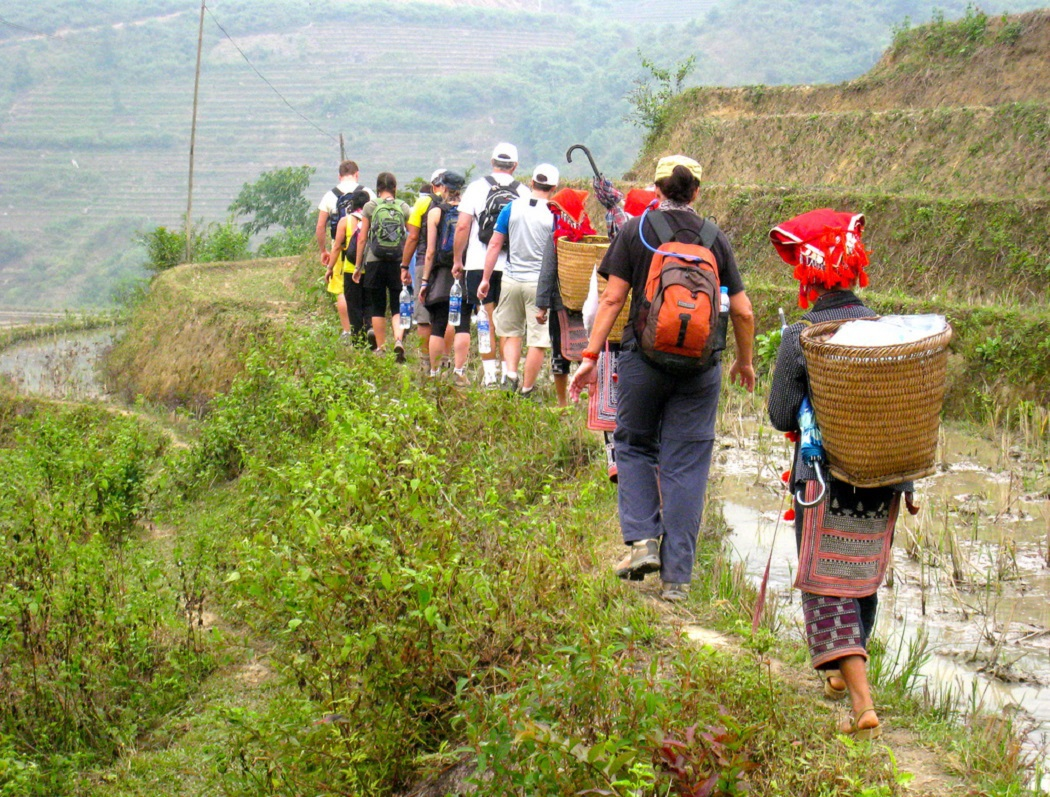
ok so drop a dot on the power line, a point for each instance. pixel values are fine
(23, 28)
(267, 82)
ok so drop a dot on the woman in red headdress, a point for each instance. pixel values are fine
(852, 528)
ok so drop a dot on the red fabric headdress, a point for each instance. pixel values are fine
(825, 248)
(637, 201)
(570, 217)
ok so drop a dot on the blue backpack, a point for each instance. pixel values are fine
(446, 236)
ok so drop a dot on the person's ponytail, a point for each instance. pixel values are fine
(680, 187)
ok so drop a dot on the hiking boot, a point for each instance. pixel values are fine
(460, 380)
(510, 385)
(643, 558)
(674, 592)
(371, 339)
(347, 339)
(399, 351)
(532, 394)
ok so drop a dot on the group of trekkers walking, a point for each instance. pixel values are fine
(493, 242)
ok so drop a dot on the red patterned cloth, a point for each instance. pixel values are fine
(570, 217)
(825, 248)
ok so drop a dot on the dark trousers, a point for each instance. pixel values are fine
(665, 430)
(355, 306)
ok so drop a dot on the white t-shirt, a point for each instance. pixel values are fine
(528, 224)
(472, 203)
(347, 186)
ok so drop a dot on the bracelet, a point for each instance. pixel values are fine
(404, 268)
(589, 355)
(424, 282)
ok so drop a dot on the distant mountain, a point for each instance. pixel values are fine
(95, 100)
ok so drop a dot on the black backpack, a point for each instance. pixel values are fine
(342, 207)
(498, 197)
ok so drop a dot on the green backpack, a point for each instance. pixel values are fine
(386, 231)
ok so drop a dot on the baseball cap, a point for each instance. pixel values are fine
(451, 180)
(666, 166)
(505, 153)
(434, 177)
(545, 174)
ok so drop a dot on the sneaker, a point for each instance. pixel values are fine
(371, 339)
(510, 385)
(674, 592)
(532, 394)
(460, 380)
(347, 339)
(399, 351)
(644, 558)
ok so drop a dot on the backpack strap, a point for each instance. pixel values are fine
(708, 234)
(337, 192)
(662, 228)
(492, 181)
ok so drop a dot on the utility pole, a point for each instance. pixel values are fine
(193, 141)
(342, 148)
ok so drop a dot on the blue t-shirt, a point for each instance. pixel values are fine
(503, 220)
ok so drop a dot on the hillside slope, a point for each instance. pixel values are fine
(945, 145)
(96, 105)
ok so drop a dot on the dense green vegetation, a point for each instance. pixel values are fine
(97, 639)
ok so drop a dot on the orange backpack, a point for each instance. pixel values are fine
(677, 327)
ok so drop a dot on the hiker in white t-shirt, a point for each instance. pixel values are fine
(477, 218)
(330, 211)
(527, 225)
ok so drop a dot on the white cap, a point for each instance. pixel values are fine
(436, 175)
(506, 153)
(545, 174)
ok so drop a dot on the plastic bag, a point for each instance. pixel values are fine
(590, 306)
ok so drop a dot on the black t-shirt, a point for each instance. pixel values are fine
(629, 259)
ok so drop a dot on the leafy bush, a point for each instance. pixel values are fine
(276, 199)
(87, 650)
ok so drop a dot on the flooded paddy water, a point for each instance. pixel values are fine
(970, 573)
(63, 366)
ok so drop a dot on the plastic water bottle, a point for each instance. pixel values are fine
(455, 304)
(722, 330)
(484, 341)
(407, 306)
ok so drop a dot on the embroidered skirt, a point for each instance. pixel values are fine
(843, 555)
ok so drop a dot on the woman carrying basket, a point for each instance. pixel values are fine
(826, 250)
(665, 421)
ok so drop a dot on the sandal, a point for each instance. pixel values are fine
(851, 727)
(830, 691)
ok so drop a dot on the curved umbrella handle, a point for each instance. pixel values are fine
(587, 152)
(823, 490)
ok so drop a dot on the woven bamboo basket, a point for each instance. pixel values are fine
(878, 407)
(616, 333)
(576, 261)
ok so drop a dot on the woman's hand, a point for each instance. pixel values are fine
(357, 276)
(328, 275)
(586, 375)
(457, 271)
(421, 294)
(406, 277)
(541, 316)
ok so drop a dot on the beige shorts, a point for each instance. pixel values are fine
(516, 314)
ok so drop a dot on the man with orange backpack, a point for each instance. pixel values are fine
(675, 264)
